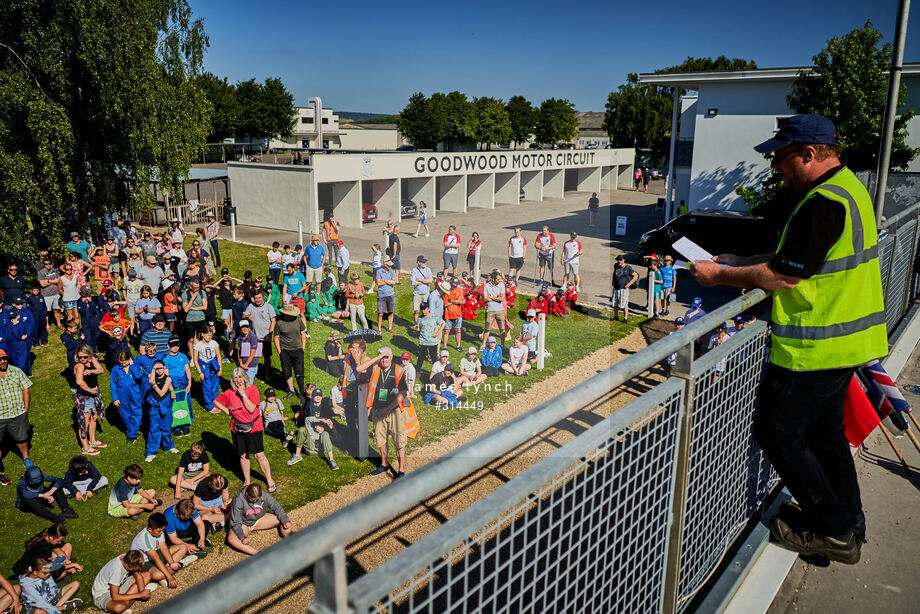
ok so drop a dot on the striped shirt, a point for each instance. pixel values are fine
(159, 337)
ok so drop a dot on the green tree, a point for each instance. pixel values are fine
(97, 97)
(556, 121)
(492, 123)
(848, 85)
(266, 110)
(412, 121)
(523, 118)
(461, 120)
(225, 109)
(640, 115)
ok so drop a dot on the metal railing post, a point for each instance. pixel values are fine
(682, 369)
(331, 584)
(363, 444)
(651, 293)
(541, 340)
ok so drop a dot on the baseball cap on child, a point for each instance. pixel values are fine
(680, 321)
(697, 301)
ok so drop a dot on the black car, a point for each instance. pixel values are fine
(536, 146)
(715, 230)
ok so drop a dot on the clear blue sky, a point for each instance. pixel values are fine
(371, 56)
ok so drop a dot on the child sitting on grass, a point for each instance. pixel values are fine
(273, 414)
(121, 582)
(128, 499)
(83, 479)
(40, 593)
(194, 466)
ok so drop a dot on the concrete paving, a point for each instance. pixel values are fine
(495, 226)
(885, 579)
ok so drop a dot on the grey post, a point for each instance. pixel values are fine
(331, 581)
(541, 339)
(363, 446)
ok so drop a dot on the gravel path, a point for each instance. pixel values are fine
(375, 547)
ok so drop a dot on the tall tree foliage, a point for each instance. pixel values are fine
(492, 123)
(523, 118)
(97, 97)
(849, 86)
(640, 115)
(266, 109)
(225, 108)
(556, 121)
(461, 120)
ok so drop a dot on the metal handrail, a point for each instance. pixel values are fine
(305, 547)
(903, 215)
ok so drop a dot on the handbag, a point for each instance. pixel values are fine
(243, 427)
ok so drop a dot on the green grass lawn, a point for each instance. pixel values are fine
(98, 537)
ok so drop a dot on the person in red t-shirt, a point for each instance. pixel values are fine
(571, 296)
(557, 305)
(540, 303)
(453, 311)
(116, 327)
(510, 293)
(470, 305)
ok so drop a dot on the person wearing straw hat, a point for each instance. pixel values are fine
(290, 339)
(354, 294)
(314, 257)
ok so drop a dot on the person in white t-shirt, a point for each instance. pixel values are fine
(517, 358)
(571, 250)
(275, 261)
(151, 542)
(546, 250)
(121, 582)
(517, 251)
(451, 250)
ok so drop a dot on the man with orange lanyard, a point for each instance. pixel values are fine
(385, 386)
(331, 237)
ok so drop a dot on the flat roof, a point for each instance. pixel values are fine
(692, 80)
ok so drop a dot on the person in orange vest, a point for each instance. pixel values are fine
(385, 382)
(410, 419)
(331, 237)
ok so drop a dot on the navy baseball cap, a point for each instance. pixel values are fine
(680, 321)
(739, 318)
(811, 129)
(697, 302)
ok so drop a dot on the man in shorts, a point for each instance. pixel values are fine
(623, 279)
(529, 331)
(517, 251)
(546, 249)
(453, 312)
(14, 410)
(451, 250)
(385, 385)
(421, 278)
(386, 295)
(314, 256)
(48, 279)
(571, 250)
(493, 293)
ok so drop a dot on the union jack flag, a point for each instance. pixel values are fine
(883, 393)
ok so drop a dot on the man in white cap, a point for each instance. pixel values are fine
(421, 278)
(529, 331)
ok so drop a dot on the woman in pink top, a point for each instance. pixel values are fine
(241, 403)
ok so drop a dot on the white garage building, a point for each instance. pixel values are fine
(280, 196)
(731, 112)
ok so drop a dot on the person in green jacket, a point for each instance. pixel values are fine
(272, 293)
(314, 307)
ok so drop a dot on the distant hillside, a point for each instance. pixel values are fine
(361, 118)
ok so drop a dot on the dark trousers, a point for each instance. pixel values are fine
(275, 275)
(42, 509)
(799, 425)
(215, 252)
(191, 534)
(292, 360)
(429, 352)
(266, 366)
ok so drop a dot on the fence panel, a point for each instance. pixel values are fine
(729, 476)
(590, 539)
(901, 267)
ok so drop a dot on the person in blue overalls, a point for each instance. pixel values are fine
(206, 357)
(159, 407)
(35, 304)
(177, 364)
(90, 317)
(18, 335)
(125, 388)
(145, 361)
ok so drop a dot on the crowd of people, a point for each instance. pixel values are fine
(158, 321)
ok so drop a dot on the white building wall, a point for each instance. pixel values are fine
(369, 139)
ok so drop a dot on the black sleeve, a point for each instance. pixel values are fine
(810, 234)
(184, 460)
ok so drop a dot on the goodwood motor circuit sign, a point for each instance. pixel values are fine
(486, 162)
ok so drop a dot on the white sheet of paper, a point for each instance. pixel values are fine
(681, 264)
(690, 250)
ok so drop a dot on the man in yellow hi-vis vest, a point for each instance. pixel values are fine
(828, 318)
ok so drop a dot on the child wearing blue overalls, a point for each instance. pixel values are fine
(125, 384)
(206, 354)
(159, 408)
(177, 364)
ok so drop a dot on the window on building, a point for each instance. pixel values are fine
(325, 120)
(306, 120)
(305, 143)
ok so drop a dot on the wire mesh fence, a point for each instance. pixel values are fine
(897, 257)
(592, 538)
